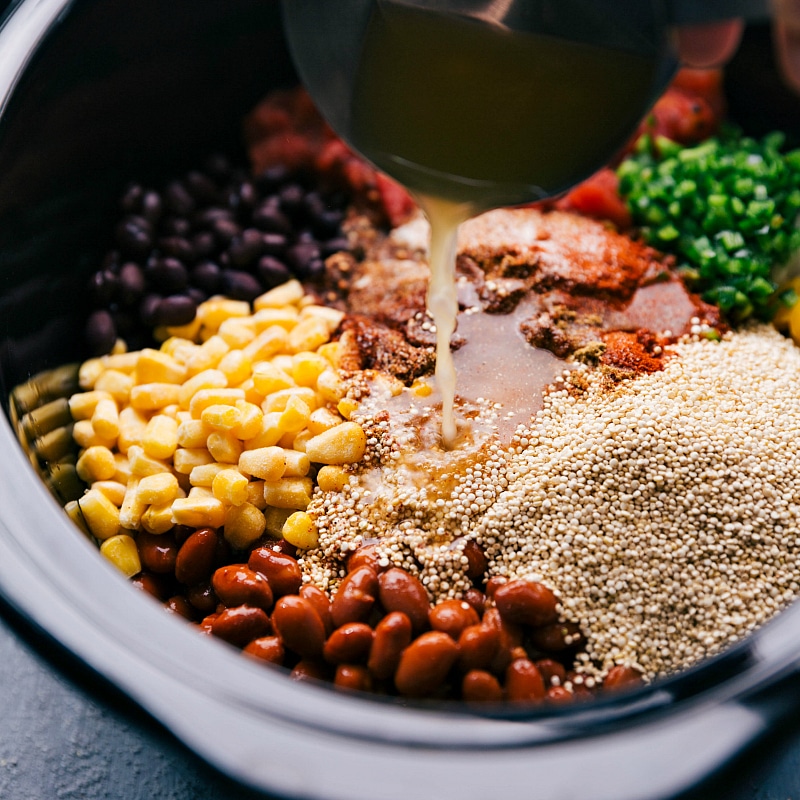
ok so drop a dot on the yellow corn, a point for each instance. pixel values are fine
(74, 513)
(224, 447)
(132, 425)
(158, 518)
(275, 519)
(204, 474)
(105, 419)
(300, 530)
(96, 464)
(193, 433)
(330, 386)
(308, 335)
(153, 396)
(266, 344)
(230, 486)
(332, 479)
(132, 507)
(307, 367)
(267, 378)
(244, 524)
(269, 434)
(238, 331)
(294, 493)
(208, 355)
(347, 407)
(89, 372)
(287, 294)
(266, 463)
(122, 361)
(160, 439)
(250, 422)
(84, 434)
(300, 440)
(113, 490)
(186, 459)
(188, 331)
(297, 464)
(216, 310)
(121, 551)
(83, 404)
(118, 384)
(198, 511)
(100, 514)
(156, 366)
(255, 494)
(236, 367)
(286, 317)
(142, 464)
(283, 361)
(330, 352)
(209, 379)
(344, 444)
(295, 416)
(321, 420)
(210, 397)
(277, 401)
(251, 394)
(158, 489)
(123, 473)
(330, 317)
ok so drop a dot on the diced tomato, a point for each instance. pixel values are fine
(598, 197)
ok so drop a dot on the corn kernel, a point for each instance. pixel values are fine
(287, 294)
(321, 420)
(130, 513)
(236, 367)
(307, 367)
(156, 366)
(308, 335)
(119, 347)
(210, 397)
(84, 434)
(216, 310)
(332, 479)
(269, 434)
(250, 423)
(286, 317)
(244, 524)
(83, 404)
(204, 474)
(142, 464)
(277, 401)
(193, 433)
(96, 464)
(74, 513)
(251, 394)
(154, 396)
(221, 417)
(344, 444)
(118, 384)
(347, 407)
(275, 519)
(283, 361)
(267, 378)
(208, 355)
(89, 372)
(159, 489)
(121, 551)
(225, 447)
(105, 419)
(266, 463)
(300, 440)
(113, 490)
(187, 458)
(301, 531)
(330, 317)
(266, 344)
(295, 416)
(188, 331)
(255, 494)
(100, 514)
(160, 439)
(331, 352)
(123, 473)
(157, 519)
(230, 486)
(238, 331)
(297, 464)
(132, 425)
(330, 386)
(198, 511)
(294, 493)
(210, 379)
(122, 361)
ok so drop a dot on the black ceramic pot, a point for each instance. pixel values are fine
(97, 92)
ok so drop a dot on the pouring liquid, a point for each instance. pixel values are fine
(471, 116)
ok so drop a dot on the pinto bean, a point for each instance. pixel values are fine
(299, 625)
(526, 603)
(425, 663)
(392, 636)
(452, 616)
(355, 597)
(524, 682)
(280, 569)
(239, 626)
(349, 644)
(239, 585)
(400, 591)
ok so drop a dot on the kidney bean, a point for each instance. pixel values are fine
(320, 601)
(400, 591)
(510, 636)
(158, 553)
(152, 584)
(178, 309)
(480, 686)
(100, 332)
(180, 606)
(353, 677)
(241, 625)
(207, 622)
(621, 677)
(349, 644)
(309, 669)
(493, 584)
(237, 585)
(266, 648)
(477, 599)
(392, 636)
(196, 558)
(281, 570)
(299, 625)
(557, 637)
(558, 694)
(478, 647)
(524, 682)
(477, 566)
(355, 597)
(452, 616)
(239, 285)
(202, 597)
(182, 533)
(551, 669)
(526, 603)
(368, 555)
(425, 663)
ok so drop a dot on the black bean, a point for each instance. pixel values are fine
(175, 226)
(292, 197)
(100, 332)
(272, 178)
(204, 244)
(167, 274)
(178, 200)
(124, 322)
(201, 187)
(148, 310)
(313, 271)
(178, 309)
(272, 272)
(152, 207)
(299, 255)
(225, 230)
(207, 276)
(246, 248)
(240, 285)
(327, 223)
(103, 287)
(218, 167)
(132, 283)
(177, 247)
(134, 236)
(273, 244)
(335, 245)
(131, 201)
(270, 219)
(246, 196)
(208, 216)
(198, 295)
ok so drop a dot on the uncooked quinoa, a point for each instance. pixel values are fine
(663, 510)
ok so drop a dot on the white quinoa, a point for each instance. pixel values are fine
(663, 510)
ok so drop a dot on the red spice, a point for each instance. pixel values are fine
(632, 352)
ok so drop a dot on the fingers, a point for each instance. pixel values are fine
(712, 43)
